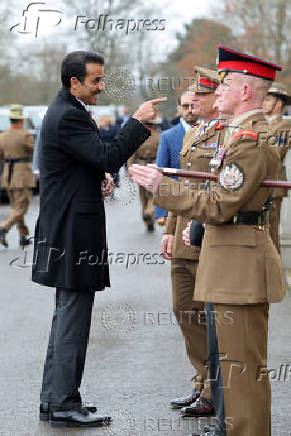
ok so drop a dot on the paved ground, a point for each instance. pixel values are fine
(136, 360)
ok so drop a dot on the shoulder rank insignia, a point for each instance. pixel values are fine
(241, 133)
(231, 177)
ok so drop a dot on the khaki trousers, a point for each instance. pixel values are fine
(242, 350)
(19, 201)
(190, 316)
(147, 202)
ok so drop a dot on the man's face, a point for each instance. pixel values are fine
(92, 86)
(126, 111)
(203, 104)
(270, 105)
(229, 95)
(187, 112)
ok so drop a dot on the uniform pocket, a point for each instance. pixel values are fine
(232, 235)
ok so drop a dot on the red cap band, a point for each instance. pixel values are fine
(249, 67)
(206, 82)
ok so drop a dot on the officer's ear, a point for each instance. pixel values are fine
(247, 91)
(280, 104)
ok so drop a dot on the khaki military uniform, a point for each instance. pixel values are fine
(281, 130)
(197, 151)
(239, 271)
(146, 154)
(16, 147)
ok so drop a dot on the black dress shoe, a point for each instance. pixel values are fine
(44, 410)
(201, 407)
(180, 402)
(24, 241)
(3, 237)
(78, 418)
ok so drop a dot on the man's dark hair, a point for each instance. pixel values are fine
(181, 95)
(74, 65)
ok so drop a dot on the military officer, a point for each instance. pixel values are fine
(16, 148)
(239, 270)
(280, 129)
(144, 155)
(200, 145)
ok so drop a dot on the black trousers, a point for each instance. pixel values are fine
(67, 348)
(213, 361)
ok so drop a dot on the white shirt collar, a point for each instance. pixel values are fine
(185, 124)
(83, 104)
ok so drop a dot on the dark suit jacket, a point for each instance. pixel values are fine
(70, 240)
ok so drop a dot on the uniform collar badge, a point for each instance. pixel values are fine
(218, 126)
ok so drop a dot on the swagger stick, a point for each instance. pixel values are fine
(211, 176)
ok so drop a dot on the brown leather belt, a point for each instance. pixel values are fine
(249, 218)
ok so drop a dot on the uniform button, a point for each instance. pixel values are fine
(193, 148)
(188, 164)
(187, 182)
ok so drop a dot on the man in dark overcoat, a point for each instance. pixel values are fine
(70, 251)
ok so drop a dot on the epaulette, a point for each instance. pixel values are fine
(241, 133)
